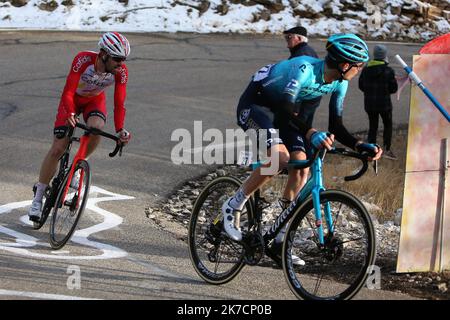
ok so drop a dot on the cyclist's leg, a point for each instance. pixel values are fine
(50, 162)
(260, 118)
(48, 169)
(94, 114)
(297, 177)
(60, 141)
(297, 147)
(257, 179)
(257, 118)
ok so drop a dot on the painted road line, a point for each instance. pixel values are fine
(111, 220)
(40, 295)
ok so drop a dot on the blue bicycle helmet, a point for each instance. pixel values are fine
(347, 47)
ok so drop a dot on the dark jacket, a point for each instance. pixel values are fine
(302, 49)
(377, 81)
(306, 108)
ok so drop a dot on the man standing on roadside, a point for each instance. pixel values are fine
(297, 43)
(377, 81)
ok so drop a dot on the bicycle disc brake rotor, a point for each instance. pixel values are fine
(213, 236)
(333, 248)
(253, 243)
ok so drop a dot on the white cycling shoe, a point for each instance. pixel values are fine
(229, 221)
(296, 261)
(275, 250)
(35, 211)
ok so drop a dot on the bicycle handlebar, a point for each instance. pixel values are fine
(341, 151)
(361, 157)
(99, 132)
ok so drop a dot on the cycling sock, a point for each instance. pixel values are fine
(238, 201)
(40, 188)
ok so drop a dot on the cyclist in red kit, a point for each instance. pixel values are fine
(90, 74)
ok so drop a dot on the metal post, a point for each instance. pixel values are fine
(442, 217)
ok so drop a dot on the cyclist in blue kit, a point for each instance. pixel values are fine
(269, 102)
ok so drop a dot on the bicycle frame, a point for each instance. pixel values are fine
(314, 186)
(80, 155)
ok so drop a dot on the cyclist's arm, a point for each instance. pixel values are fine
(335, 122)
(120, 93)
(290, 94)
(79, 64)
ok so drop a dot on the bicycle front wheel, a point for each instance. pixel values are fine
(338, 268)
(69, 207)
(50, 195)
(216, 258)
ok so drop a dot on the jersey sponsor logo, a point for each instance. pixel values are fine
(268, 83)
(262, 73)
(273, 141)
(321, 89)
(243, 116)
(291, 87)
(94, 81)
(81, 60)
(293, 84)
(252, 125)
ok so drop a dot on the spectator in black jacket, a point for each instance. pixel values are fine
(297, 43)
(377, 81)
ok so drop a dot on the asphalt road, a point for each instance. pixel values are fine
(174, 80)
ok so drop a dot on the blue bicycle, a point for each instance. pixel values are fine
(330, 231)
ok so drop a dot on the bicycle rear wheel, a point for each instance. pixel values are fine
(216, 258)
(338, 269)
(67, 211)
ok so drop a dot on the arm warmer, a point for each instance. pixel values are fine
(336, 127)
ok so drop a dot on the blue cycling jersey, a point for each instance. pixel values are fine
(296, 80)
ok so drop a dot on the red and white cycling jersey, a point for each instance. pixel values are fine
(85, 82)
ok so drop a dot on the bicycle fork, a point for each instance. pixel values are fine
(315, 192)
(80, 155)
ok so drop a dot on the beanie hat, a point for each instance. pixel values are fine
(380, 53)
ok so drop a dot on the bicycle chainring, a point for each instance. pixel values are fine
(253, 243)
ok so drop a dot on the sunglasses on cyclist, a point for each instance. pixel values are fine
(117, 59)
(359, 66)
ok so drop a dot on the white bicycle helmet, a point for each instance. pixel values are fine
(115, 45)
